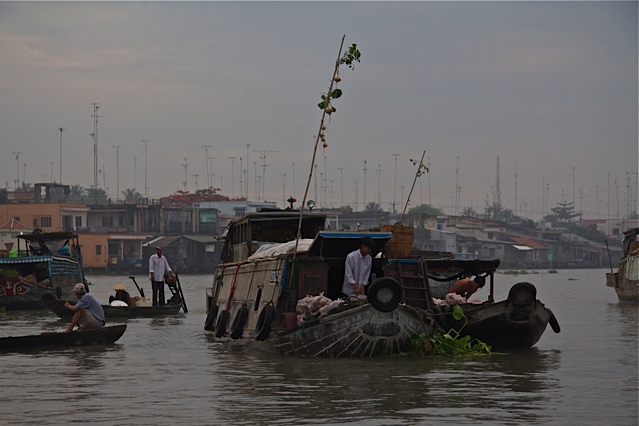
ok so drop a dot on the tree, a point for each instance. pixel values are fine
(373, 207)
(345, 209)
(563, 214)
(76, 193)
(470, 211)
(96, 196)
(25, 187)
(422, 211)
(4, 196)
(131, 194)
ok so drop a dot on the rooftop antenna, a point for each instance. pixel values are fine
(395, 184)
(61, 129)
(232, 176)
(96, 107)
(17, 154)
(186, 166)
(146, 188)
(117, 171)
(264, 153)
(208, 176)
(135, 175)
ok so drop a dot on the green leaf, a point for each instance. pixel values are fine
(322, 105)
(458, 312)
(336, 93)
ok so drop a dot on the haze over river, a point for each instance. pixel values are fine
(169, 371)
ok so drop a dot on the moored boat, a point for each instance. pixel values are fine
(515, 323)
(113, 312)
(100, 336)
(625, 280)
(28, 273)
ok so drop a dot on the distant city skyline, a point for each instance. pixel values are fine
(226, 93)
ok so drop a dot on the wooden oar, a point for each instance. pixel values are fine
(138, 287)
(179, 287)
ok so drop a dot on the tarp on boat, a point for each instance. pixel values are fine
(340, 244)
(271, 250)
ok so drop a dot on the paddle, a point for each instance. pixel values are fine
(138, 287)
(179, 287)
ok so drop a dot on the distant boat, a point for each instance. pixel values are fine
(626, 280)
(98, 336)
(32, 271)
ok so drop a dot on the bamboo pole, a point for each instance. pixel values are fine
(418, 173)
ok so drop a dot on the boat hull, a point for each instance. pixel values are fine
(362, 331)
(502, 325)
(100, 336)
(113, 312)
(626, 280)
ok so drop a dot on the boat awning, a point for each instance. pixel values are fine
(340, 244)
(522, 248)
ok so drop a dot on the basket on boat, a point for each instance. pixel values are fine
(400, 243)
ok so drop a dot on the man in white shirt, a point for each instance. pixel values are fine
(358, 269)
(158, 267)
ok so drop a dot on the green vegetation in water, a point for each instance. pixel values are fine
(572, 279)
(553, 271)
(516, 272)
(451, 343)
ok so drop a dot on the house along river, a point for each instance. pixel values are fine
(168, 371)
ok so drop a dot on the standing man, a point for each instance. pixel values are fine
(358, 268)
(87, 312)
(158, 267)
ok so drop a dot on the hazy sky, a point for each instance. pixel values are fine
(548, 87)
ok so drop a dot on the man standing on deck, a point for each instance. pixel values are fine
(158, 267)
(357, 269)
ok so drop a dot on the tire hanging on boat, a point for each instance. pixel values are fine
(385, 294)
(237, 328)
(212, 315)
(264, 323)
(222, 322)
(522, 294)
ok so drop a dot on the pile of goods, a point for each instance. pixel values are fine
(315, 307)
(454, 299)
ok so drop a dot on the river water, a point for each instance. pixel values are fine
(167, 371)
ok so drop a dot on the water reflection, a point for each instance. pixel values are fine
(408, 390)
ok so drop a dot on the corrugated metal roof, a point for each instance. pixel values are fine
(525, 241)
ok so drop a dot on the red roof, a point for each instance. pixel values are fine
(528, 242)
(13, 224)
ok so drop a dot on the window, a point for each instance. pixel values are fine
(16, 218)
(98, 249)
(45, 221)
(78, 221)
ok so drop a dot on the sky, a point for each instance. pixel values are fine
(531, 103)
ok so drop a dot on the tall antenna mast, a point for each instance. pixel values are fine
(95, 116)
(186, 166)
(497, 186)
(17, 154)
(208, 176)
(146, 188)
(264, 152)
(61, 129)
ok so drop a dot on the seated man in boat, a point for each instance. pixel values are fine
(121, 294)
(87, 312)
(41, 249)
(467, 287)
(357, 269)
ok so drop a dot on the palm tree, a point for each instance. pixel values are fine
(470, 211)
(96, 196)
(373, 207)
(25, 187)
(77, 192)
(131, 194)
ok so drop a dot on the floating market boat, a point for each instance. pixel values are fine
(626, 280)
(515, 323)
(34, 270)
(99, 336)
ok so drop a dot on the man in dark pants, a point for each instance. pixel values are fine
(158, 267)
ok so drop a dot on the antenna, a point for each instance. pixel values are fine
(208, 176)
(186, 166)
(232, 176)
(61, 129)
(146, 188)
(96, 107)
(195, 176)
(264, 153)
(395, 184)
(117, 171)
(17, 154)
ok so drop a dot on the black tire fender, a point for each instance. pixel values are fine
(211, 316)
(237, 328)
(522, 294)
(222, 322)
(264, 323)
(385, 294)
(554, 324)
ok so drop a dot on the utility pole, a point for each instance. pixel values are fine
(17, 154)
(146, 187)
(96, 108)
(117, 171)
(51, 163)
(61, 129)
(364, 198)
(379, 184)
(241, 174)
(208, 176)
(573, 190)
(457, 183)
(195, 176)
(341, 182)
(293, 179)
(248, 145)
(232, 176)
(186, 166)
(264, 153)
(395, 185)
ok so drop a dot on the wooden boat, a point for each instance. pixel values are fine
(626, 280)
(515, 323)
(113, 312)
(256, 289)
(100, 336)
(26, 275)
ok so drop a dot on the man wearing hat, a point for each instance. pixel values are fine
(158, 268)
(121, 294)
(87, 312)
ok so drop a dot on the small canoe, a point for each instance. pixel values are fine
(100, 336)
(112, 312)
